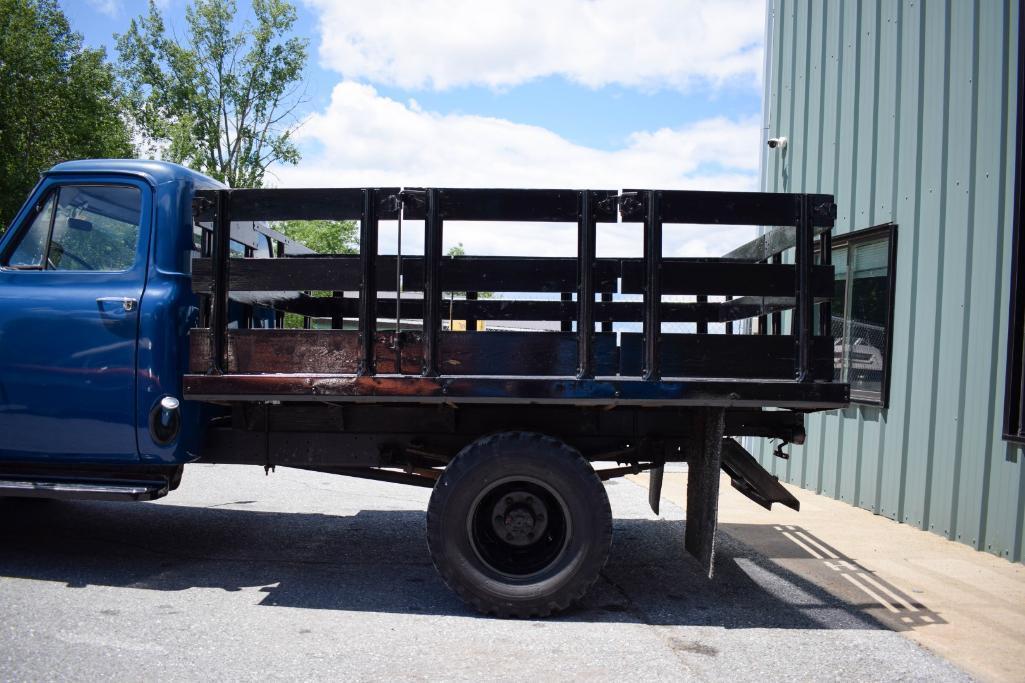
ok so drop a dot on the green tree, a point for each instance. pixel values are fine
(223, 99)
(323, 237)
(58, 99)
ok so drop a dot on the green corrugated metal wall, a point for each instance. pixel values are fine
(906, 111)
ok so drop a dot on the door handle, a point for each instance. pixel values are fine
(127, 303)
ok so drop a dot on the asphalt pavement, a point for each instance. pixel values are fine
(300, 575)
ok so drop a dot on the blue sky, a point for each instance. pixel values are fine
(600, 117)
(599, 93)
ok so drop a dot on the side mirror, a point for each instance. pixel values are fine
(80, 224)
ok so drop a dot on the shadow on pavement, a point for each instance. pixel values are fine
(825, 565)
(377, 561)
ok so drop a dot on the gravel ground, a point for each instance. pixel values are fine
(301, 575)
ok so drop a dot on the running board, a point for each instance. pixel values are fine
(83, 489)
(752, 479)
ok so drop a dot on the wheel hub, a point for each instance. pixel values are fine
(519, 518)
(518, 526)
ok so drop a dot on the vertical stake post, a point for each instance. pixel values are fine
(585, 285)
(368, 282)
(471, 323)
(825, 308)
(777, 317)
(653, 286)
(606, 325)
(566, 324)
(219, 301)
(337, 319)
(803, 310)
(432, 283)
(763, 320)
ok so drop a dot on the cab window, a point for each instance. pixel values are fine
(82, 228)
(32, 246)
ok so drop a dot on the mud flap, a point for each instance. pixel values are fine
(703, 487)
(751, 479)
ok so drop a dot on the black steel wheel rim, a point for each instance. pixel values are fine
(518, 527)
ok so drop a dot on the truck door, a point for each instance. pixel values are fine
(72, 273)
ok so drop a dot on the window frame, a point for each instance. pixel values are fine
(19, 228)
(1013, 427)
(849, 241)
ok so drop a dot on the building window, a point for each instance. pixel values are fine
(862, 311)
(1014, 394)
(1014, 409)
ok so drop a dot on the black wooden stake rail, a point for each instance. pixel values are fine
(645, 206)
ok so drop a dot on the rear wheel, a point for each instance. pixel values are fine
(519, 524)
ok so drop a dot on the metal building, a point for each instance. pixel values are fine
(910, 114)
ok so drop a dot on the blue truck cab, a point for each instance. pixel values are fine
(95, 309)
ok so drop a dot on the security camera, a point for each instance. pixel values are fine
(777, 142)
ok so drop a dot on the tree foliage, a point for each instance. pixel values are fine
(223, 99)
(323, 237)
(58, 99)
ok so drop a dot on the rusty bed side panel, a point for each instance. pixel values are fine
(337, 352)
(509, 353)
(327, 351)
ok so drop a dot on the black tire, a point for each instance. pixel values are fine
(547, 502)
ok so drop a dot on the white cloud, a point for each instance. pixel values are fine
(369, 138)
(501, 43)
(364, 139)
(111, 8)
